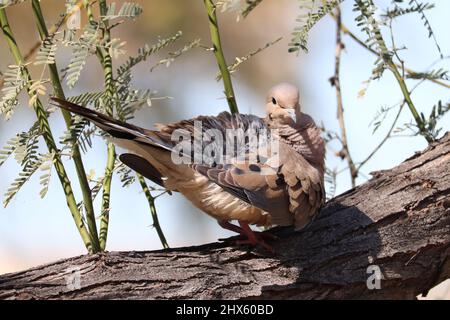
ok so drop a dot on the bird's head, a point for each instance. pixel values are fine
(282, 105)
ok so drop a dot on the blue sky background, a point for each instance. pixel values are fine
(35, 231)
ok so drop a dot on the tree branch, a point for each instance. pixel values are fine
(336, 82)
(220, 57)
(76, 154)
(398, 222)
(47, 134)
(151, 202)
(105, 59)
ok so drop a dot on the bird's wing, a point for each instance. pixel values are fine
(304, 185)
(291, 191)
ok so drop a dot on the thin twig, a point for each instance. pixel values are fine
(218, 52)
(345, 152)
(151, 203)
(427, 23)
(409, 102)
(346, 31)
(388, 135)
(385, 55)
(238, 61)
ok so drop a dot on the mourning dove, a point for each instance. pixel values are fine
(284, 186)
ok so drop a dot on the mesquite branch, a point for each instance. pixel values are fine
(220, 57)
(48, 138)
(106, 61)
(398, 222)
(151, 203)
(336, 81)
(76, 154)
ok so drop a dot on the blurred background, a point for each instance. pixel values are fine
(35, 231)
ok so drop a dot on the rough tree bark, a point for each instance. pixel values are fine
(399, 221)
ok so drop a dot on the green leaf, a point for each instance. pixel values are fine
(128, 10)
(46, 167)
(14, 83)
(126, 175)
(81, 50)
(144, 53)
(47, 52)
(30, 167)
(173, 55)
(307, 21)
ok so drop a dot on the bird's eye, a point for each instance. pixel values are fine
(274, 101)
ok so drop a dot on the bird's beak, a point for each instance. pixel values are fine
(292, 115)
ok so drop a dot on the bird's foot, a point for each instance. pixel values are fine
(265, 235)
(257, 242)
(247, 236)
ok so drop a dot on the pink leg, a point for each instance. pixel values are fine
(254, 238)
(229, 226)
(251, 237)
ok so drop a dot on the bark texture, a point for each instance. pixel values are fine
(398, 222)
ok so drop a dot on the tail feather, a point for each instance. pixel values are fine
(115, 128)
